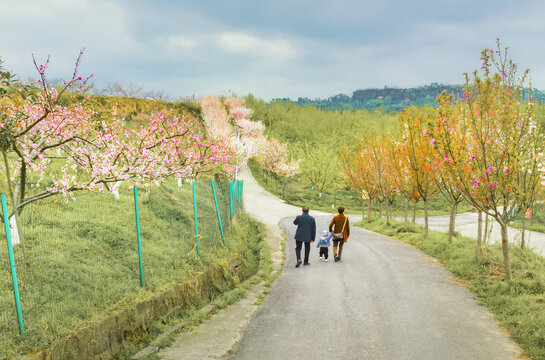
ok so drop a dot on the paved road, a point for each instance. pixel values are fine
(466, 224)
(385, 300)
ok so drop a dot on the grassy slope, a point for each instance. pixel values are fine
(518, 305)
(79, 258)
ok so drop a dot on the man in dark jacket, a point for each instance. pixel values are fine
(305, 233)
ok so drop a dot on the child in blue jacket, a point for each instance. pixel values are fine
(324, 243)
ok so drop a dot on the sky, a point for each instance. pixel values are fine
(271, 49)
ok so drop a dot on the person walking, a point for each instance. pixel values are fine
(340, 225)
(305, 233)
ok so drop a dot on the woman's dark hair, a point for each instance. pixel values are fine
(340, 209)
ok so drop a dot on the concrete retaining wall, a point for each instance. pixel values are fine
(102, 339)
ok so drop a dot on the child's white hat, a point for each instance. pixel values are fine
(325, 232)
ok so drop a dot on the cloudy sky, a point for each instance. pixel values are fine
(272, 49)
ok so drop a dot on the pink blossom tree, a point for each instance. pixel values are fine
(496, 155)
(273, 157)
(40, 135)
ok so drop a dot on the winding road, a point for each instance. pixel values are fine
(385, 300)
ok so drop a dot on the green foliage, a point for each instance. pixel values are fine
(519, 304)
(392, 98)
(295, 124)
(320, 166)
(315, 135)
(299, 194)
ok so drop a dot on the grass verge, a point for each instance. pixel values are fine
(518, 305)
(78, 260)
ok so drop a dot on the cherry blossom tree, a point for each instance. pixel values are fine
(501, 165)
(42, 134)
(416, 146)
(446, 135)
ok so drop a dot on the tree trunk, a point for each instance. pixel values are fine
(505, 248)
(406, 210)
(414, 213)
(489, 231)
(485, 239)
(479, 234)
(523, 231)
(452, 221)
(426, 216)
(369, 210)
(380, 210)
(387, 212)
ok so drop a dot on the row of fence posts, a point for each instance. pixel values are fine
(235, 195)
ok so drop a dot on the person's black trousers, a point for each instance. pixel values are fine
(324, 251)
(298, 246)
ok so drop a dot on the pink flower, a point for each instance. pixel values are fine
(432, 141)
(506, 169)
(491, 186)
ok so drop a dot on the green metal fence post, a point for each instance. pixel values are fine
(195, 210)
(335, 198)
(137, 214)
(217, 210)
(12, 266)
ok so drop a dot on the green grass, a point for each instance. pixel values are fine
(79, 259)
(190, 317)
(518, 305)
(535, 223)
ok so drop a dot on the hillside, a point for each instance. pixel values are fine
(390, 98)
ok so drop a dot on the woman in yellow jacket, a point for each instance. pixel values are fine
(340, 225)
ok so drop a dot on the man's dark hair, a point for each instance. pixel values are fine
(340, 209)
(305, 209)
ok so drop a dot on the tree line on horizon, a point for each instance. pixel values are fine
(392, 98)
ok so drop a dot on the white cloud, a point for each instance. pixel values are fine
(244, 43)
(179, 42)
(233, 44)
(320, 48)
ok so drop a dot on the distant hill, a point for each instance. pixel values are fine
(390, 98)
